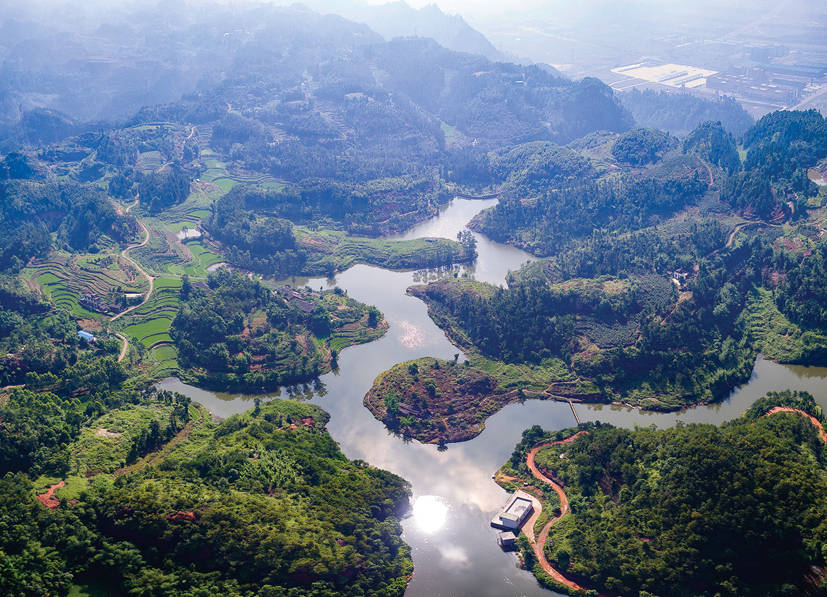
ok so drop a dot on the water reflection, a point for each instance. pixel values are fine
(767, 376)
(411, 335)
(453, 548)
(430, 513)
(494, 260)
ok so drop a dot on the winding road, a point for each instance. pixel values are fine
(150, 279)
(786, 409)
(540, 543)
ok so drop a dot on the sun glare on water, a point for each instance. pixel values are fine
(430, 513)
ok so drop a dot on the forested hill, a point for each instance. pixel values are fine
(694, 510)
(399, 19)
(297, 73)
(164, 502)
(680, 112)
(552, 198)
(104, 64)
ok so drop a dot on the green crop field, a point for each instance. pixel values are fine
(150, 323)
(151, 332)
(165, 360)
(151, 160)
(202, 258)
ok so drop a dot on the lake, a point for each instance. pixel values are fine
(454, 550)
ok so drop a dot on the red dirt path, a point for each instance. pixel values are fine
(813, 420)
(540, 543)
(564, 508)
(46, 498)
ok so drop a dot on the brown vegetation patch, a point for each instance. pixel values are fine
(92, 325)
(182, 516)
(777, 278)
(436, 405)
(101, 432)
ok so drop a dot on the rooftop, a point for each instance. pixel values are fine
(516, 508)
(519, 506)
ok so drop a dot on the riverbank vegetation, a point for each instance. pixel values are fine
(263, 502)
(692, 510)
(251, 226)
(234, 333)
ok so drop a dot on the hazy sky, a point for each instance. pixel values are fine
(476, 7)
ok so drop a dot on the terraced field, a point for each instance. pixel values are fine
(64, 279)
(164, 360)
(218, 174)
(150, 160)
(150, 324)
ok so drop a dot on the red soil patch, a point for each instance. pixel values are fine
(182, 516)
(47, 498)
(777, 277)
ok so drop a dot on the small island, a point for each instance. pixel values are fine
(437, 401)
(234, 333)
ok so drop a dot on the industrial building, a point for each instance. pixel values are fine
(515, 512)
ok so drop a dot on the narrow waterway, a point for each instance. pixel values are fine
(454, 550)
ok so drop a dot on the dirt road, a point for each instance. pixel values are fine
(813, 420)
(540, 543)
(150, 279)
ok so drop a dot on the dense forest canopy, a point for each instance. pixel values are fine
(696, 509)
(31, 211)
(781, 147)
(659, 317)
(639, 147)
(236, 333)
(712, 142)
(257, 241)
(545, 220)
(255, 505)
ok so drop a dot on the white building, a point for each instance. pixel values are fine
(515, 512)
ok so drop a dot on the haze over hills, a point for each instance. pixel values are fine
(207, 205)
(769, 55)
(132, 55)
(399, 19)
(109, 69)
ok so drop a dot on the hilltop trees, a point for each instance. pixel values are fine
(696, 509)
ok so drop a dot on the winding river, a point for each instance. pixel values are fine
(454, 550)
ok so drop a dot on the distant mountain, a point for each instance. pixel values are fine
(398, 19)
(109, 66)
(495, 103)
(680, 113)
